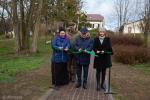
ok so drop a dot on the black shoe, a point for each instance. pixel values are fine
(98, 87)
(103, 87)
(78, 85)
(55, 87)
(84, 86)
(73, 80)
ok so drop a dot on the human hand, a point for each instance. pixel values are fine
(102, 52)
(97, 51)
(85, 50)
(60, 48)
(79, 49)
(66, 49)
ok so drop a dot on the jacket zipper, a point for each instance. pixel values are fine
(62, 52)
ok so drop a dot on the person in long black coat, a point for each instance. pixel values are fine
(102, 47)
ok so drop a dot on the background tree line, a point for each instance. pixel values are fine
(25, 16)
(132, 10)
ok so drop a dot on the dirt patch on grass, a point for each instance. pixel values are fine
(29, 86)
(130, 83)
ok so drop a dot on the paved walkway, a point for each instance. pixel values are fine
(69, 92)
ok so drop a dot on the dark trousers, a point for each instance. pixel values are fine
(71, 68)
(59, 74)
(79, 73)
(100, 74)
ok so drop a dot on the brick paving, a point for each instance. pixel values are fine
(69, 92)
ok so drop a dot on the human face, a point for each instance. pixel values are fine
(101, 34)
(62, 33)
(83, 35)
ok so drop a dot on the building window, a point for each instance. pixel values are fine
(98, 25)
(93, 25)
(129, 29)
(102, 25)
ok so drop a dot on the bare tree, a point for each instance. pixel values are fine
(6, 5)
(37, 26)
(16, 26)
(122, 12)
(144, 15)
(147, 20)
(3, 17)
(27, 15)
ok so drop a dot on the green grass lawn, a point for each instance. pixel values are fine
(145, 68)
(149, 40)
(6, 47)
(11, 65)
(0, 37)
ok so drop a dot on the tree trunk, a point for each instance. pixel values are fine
(24, 36)
(146, 33)
(16, 26)
(37, 28)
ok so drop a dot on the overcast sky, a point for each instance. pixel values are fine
(103, 7)
(106, 9)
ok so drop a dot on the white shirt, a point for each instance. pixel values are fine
(101, 39)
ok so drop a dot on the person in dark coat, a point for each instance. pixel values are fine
(102, 47)
(71, 64)
(82, 43)
(60, 45)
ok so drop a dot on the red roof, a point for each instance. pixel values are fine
(95, 17)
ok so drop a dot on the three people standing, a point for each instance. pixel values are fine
(83, 43)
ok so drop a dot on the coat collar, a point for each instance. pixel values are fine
(100, 42)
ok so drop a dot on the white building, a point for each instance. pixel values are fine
(96, 21)
(133, 27)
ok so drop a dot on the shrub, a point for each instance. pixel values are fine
(127, 40)
(131, 54)
(93, 33)
(110, 33)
